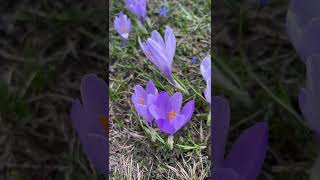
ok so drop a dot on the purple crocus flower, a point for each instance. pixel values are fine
(309, 98)
(142, 99)
(247, 155)
(138, 8)
(123, 25)
(163, 11)
(89, 118)
(303, 27)
(168, 114)
(205, 68)
(161, 51)
(193, 59)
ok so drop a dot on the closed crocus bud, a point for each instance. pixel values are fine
(123, 25)
(205, 69)
(138, 8)
(160, 51)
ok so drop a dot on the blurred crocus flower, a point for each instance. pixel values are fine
(193, 59)
(303, 27)
(309, 98)
(161, 51)
(247, 155)
(143, 98)
(205, 69)
(163, 11)
(123, 25)
(89, 118)
(168, 114)
(138, 8)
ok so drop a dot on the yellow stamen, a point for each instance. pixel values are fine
(172, 115)
(141, 101)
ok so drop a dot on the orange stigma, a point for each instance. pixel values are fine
(123, 29)
(141, 101)
(104, 122)
(172, 115)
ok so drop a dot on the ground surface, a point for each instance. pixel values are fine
(133, 155)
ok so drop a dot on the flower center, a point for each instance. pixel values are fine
(104, 122)
(123, 29)
(172, 115)
(148, 54)
(141, 101)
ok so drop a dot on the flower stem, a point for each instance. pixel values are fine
(179, 85)
(209, 119)
(170, 142)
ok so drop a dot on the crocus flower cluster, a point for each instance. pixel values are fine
(89, 118)
(138, 8)
(205, 68)
(246, 157)
(160, 51)
(161, 108)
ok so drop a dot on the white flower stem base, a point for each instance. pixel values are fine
(170, 142)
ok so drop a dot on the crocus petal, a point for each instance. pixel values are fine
(155, 112)
(94, 93)
(155, 35)
(117, 24)
(143, 111)
(301, 15)
(98, 152)
(306, 109)
(163, 105)
(207, 92)
(205, 68)
(178, 122)
(309, 43)
(151, 88)
(175, 102)
(139, 91)
(220, 128)
(225, 174)
(187, 110)
(79, 120)
(248, 153)
(170, 41)
(165, 126)
(304, 11)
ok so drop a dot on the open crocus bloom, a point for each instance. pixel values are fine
(303, 27)
(168, 114)
(205, 69)
(138, 8)
(247, 155)
(142, 99)
(309, 98)
(161, 51)
(90, 121)
(123, 25)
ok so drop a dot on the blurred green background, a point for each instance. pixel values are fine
(45, 49)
